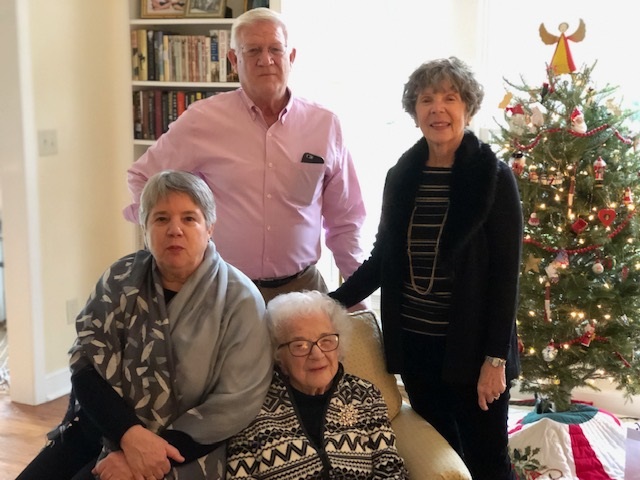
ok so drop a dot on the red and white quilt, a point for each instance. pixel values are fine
(583, 444)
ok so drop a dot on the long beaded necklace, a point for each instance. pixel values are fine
(420, 290)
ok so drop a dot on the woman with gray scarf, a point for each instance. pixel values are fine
(171, 357)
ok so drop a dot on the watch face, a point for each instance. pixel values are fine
(496, 362)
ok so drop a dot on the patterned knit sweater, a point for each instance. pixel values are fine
(359, 443)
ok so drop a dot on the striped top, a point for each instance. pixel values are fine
(426, 292)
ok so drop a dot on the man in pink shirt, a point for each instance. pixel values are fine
(276, 164)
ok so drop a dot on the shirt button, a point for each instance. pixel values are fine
(268, 228)
(268, 195)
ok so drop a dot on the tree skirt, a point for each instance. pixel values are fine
(582, 444)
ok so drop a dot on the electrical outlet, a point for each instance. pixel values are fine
(72, 310)
(47, 142)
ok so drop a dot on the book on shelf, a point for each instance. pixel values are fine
(151, 57)
(157, 55)
(154, 110)
(137, 115)
(223, 49)
(158, 115)
(135, 61)
(162, 56)
(142, 53)
(166, 65)
(214, 62)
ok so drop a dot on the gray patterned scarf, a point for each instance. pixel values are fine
(166, 362)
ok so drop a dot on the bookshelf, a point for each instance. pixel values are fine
(158, 97)
(197, 86)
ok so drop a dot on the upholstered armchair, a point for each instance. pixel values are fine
(426, 453)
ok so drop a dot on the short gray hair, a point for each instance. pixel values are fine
(288, 306)
(436, 72)
(253, 16)
(160, 185)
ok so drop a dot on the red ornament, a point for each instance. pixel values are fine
(589, 333)
(624, 273)
(598, 169)
(517, 163)
(579, 225)
(606, 216)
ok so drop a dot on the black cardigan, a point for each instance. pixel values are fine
(481, 241)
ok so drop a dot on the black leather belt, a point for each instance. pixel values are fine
(279, 281)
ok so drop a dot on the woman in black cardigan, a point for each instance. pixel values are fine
(447, 260)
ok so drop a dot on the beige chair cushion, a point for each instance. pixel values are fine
(426, 454)
(364, 357)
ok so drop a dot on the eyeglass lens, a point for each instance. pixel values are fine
(301, 348)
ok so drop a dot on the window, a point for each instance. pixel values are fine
(354, 56)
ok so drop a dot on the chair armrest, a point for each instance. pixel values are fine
(427, 455)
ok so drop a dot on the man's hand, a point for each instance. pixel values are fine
(147, 454)
(491, 384)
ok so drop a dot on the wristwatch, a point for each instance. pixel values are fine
(495, 361)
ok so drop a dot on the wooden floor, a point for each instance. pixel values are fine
(22, 432)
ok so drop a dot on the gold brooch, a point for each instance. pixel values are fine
(348, 415)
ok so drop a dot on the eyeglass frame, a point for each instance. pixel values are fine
(270, 50)
(311, 345)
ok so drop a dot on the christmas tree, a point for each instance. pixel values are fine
(570, 146)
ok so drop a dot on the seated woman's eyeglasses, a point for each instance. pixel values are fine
(253, 51)
(302, 348)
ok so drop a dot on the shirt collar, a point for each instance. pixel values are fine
(253, 109)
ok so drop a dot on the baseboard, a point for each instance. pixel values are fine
(57, 384)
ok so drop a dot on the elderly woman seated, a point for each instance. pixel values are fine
(170, 358)
(317, 421)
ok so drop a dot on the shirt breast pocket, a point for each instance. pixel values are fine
(307, 183)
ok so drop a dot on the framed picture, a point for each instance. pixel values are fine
(206, 8)
(162, 8)
(249, 4)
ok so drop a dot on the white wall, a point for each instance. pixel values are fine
(67, 70)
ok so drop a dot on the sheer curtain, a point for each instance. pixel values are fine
(355, 55)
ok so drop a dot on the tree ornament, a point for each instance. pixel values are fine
(547, 301)
(624, 273)
(517, 120)
(562, 259)
(562, 60)
(589, 333)
(532, 264)
(599, 167)
(504, 103)
(549, 353)
(537, 114)
(543, 179)
(612, 107)
(517, 162)
(607, 216)
(627, 198)
(534, 221)
(579, 225)
(597, 267)
(533, 174)
(577, 121)
(552, 272)
(546, 90)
